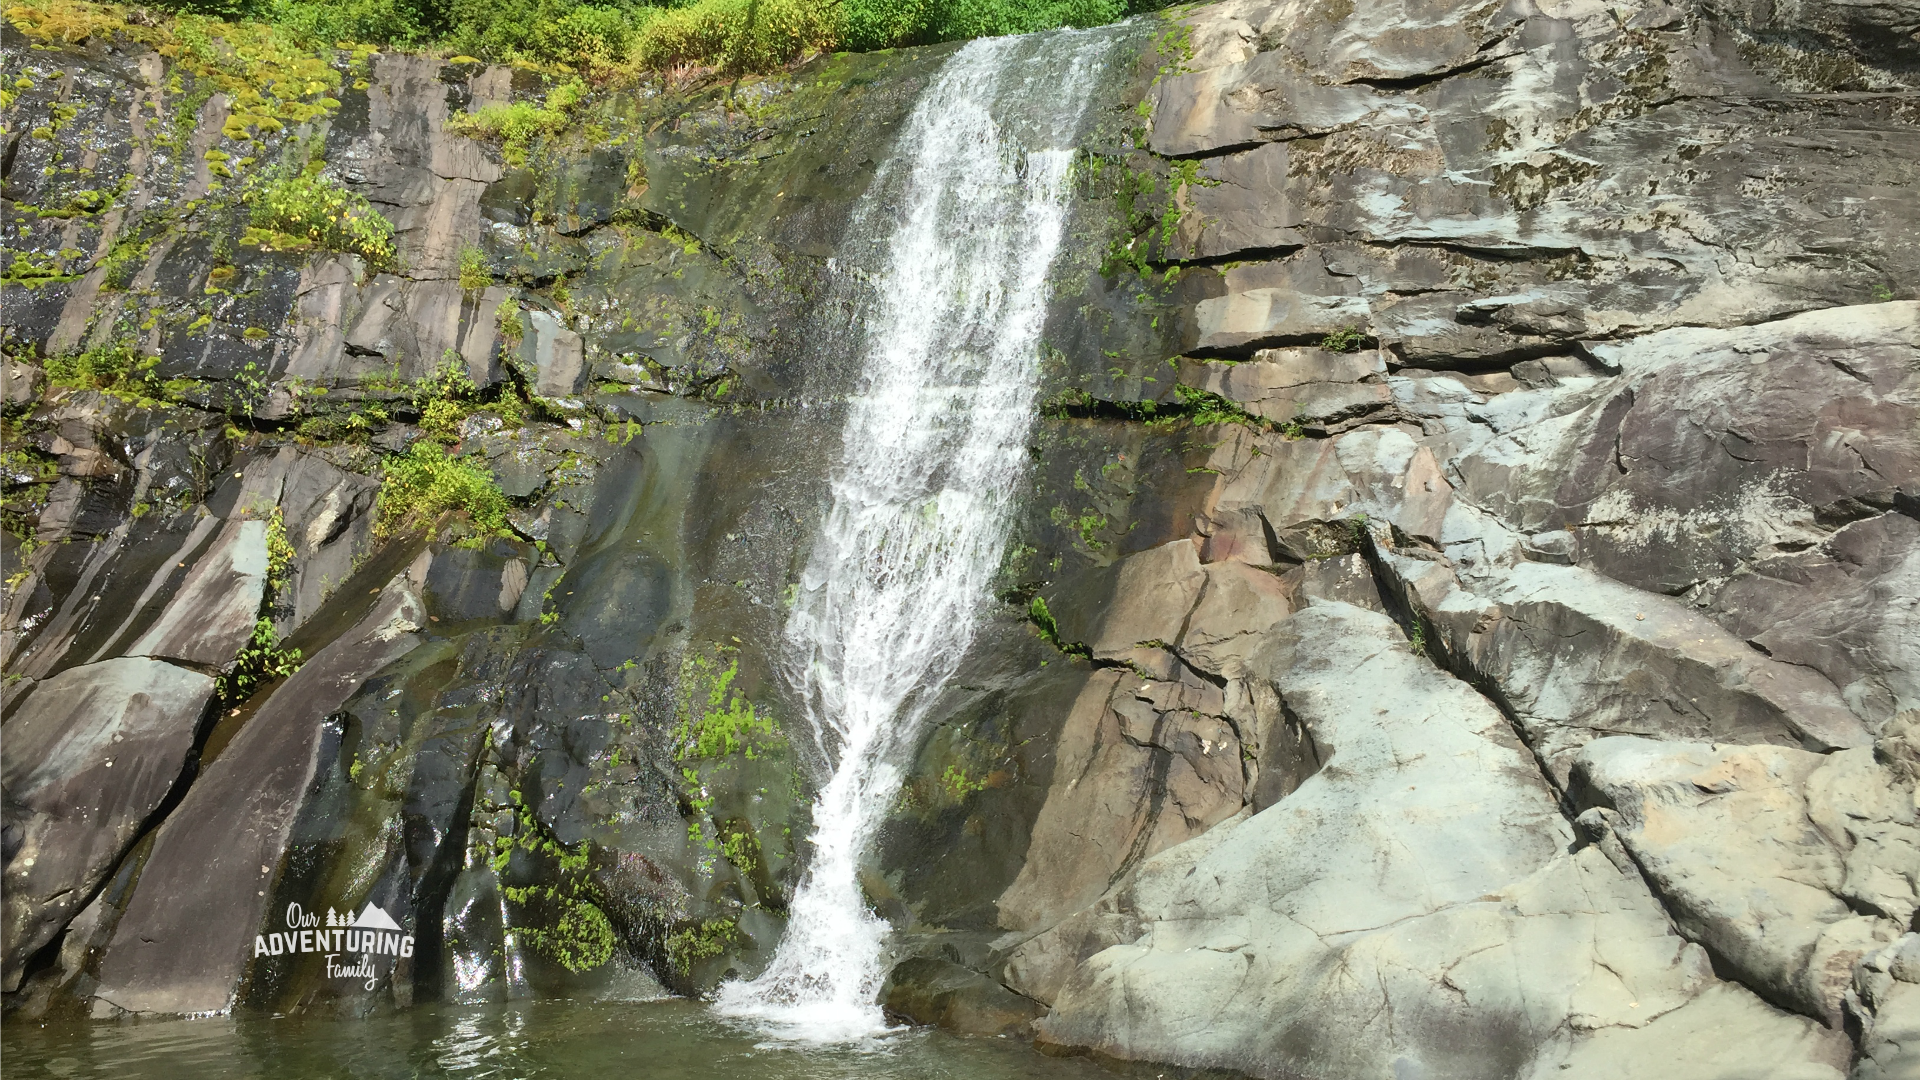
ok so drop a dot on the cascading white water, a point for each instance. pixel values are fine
(930, 462)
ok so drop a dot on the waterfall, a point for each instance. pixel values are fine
(973, 203)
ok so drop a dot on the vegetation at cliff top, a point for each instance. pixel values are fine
(635, 35)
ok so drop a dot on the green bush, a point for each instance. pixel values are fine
(737, 35)
(262, 659)
(113, 368)
(516, 125)
(296, 211)
(958, 19)
(385, 22)
(425, 483)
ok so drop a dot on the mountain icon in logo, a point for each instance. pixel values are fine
(374, 919)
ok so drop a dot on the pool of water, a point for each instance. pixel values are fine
(664, 1040)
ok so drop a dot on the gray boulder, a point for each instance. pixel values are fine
(1789, 867)
(1410, 909)
(88, 758)
(213, 611)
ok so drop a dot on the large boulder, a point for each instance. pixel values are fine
(1410, 909)
(88, 758)
(1790, 867)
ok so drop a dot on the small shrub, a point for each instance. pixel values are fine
(511, 408)
(737, 35)
(441, 420)
(518, 124)
(321, 23)
(261, 660)
(445, 399)
(280, 554)
(474, 274)
(507, 317)
(425, 483)
(307, 210)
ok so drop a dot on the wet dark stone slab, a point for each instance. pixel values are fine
(88, 757)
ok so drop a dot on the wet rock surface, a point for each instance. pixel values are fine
(1461, 622)
(89, 758)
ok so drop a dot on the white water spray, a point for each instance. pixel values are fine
(931, 460)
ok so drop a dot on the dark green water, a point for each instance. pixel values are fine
(664, 1040)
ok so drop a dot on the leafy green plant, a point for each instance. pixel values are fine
(280, 48)
(958, 785)
(695, 942)
(262, 659)
(280, 554)
(445, 399)
(425, 483)
(1205, 408)
(515, 125)
(507, 317)
(736, 35)
(441, 419)
(474, 274)
(715, 720)
(713, 723)
(1042, 618)
(297, 211)
(581, 939)
(115, 368)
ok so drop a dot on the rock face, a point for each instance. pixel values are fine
(1408, 908)
(89, 758)
(1722, 834)
(1604, 529)
(1486, 648)
(185, 937)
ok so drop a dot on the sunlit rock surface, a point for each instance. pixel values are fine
(1461, 624)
